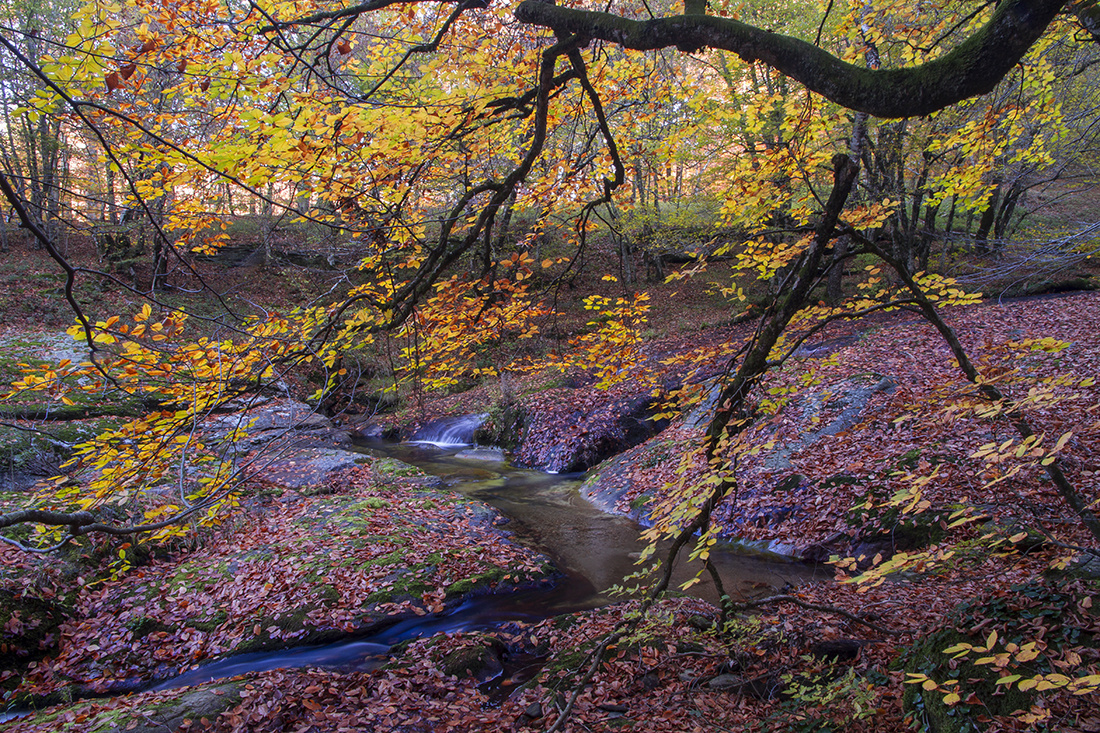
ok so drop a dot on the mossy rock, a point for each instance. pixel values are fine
(202, 702)
(142, 626)
(30, 628)
(287, 623)
(504, 426)
(480, 660)
(469, 585)
(1017, 617)
(207, 625)
(389, 468)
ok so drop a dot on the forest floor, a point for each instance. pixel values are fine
(856, 418)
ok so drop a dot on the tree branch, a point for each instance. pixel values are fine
(973, 67)
(749, 605)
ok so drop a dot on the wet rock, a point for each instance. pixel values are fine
(821, 552)
(481, 661)
(848, 400)
(492, 455)
(703, 413)
(166, 716)
(865, 551)
(700, 622)
(765, 687)
(614, 708)
(724, 682)
(310, 467)
(533, 711)
(371, 429)
(271, 419)
(772, 517)
(1086, 566)
(840, 650)
(574, 435)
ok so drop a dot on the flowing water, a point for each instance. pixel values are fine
(593, 550)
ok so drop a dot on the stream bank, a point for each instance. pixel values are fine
(380, 590)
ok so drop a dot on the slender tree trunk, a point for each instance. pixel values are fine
(988, 216)
(834, 290)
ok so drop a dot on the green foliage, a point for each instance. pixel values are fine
(822, 699)
(1037, 639)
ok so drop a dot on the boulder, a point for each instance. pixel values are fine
(274, 419)
(573, 433)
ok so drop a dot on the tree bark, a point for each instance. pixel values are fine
(973, 67)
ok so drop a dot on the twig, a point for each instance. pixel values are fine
(749, 605)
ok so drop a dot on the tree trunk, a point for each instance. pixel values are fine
(988, 217)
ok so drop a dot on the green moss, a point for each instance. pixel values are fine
(1026, 613)
(372, 502)
(392, 468)
(209, 624)
(142, 626)
(63, 719)
(287, 623)
(474, 660)
(399, 591)
(468, 585)
(327, 594)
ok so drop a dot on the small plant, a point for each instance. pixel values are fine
(820, 701)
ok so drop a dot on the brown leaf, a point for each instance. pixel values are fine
(112, 81)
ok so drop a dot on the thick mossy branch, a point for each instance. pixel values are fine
(973, 67)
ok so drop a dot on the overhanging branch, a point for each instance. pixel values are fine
(973, 67)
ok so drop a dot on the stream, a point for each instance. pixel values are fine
(592, 549)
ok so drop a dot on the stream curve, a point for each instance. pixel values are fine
(593, 550)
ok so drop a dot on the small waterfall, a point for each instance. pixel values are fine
(449, 432)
